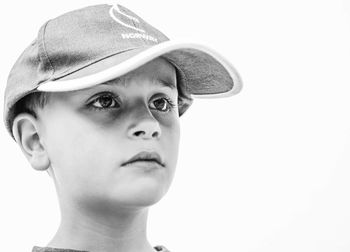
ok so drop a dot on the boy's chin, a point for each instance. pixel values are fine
(141, 195)
(147, 196)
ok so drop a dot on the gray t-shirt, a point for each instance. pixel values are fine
(49, 249)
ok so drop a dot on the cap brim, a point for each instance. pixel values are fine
(208, 74)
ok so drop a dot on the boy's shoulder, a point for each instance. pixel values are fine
(158, 248)
(49, 249)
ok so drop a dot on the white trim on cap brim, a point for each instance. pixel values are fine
(137, 61)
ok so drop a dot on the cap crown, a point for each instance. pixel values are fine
(77, 39)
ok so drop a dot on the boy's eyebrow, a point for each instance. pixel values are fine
(158, 82)
(169, 84)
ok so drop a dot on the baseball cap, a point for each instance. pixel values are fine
(95, 44)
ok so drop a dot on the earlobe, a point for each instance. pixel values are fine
(26, 132)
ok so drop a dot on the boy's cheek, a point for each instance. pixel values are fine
(99, 118)
(169, 121)
(79, 162)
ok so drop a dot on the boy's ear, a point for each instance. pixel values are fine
(25, 130)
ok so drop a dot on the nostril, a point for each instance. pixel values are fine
(138, 133)
(145, 129)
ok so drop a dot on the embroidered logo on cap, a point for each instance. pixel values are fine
(141, 33)
(116, 8)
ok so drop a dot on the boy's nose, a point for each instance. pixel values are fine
(146, 127)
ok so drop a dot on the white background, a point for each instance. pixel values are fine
(266, 170)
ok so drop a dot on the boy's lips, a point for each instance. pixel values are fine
(146, 156)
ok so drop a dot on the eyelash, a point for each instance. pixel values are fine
(115, 98)
(170, 102)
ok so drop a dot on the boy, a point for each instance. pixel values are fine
(95, 101)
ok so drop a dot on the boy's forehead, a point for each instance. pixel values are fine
(159, 71)
(159, 82)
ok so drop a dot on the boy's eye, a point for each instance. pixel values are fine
(104, 101)
(107, 101)
(163, 104)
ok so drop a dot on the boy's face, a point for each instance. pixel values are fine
(88, 135)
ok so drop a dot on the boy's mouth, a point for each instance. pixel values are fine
(146, 156)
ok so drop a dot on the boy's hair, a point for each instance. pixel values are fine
(30, 103)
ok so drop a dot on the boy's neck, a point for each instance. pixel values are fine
(103, 233)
